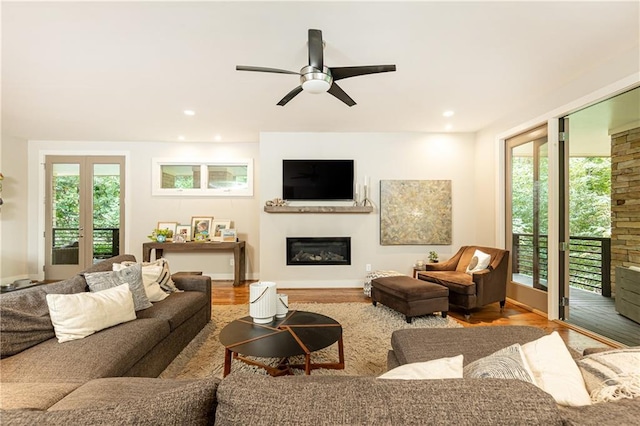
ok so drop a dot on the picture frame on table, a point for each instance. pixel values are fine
(217, 227)
(229, 235)
(184, 231)
(171, 226)
(201, 228)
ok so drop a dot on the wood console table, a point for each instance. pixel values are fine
(237, 248)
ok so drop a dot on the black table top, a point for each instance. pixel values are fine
(299, 333)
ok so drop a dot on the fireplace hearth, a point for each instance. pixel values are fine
(319, 251)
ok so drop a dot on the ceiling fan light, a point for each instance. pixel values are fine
(316, 86)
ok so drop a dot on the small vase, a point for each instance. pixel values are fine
(161, 238)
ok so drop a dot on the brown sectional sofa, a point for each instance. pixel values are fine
(37, 372)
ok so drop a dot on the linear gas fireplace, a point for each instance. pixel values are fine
(319, 251)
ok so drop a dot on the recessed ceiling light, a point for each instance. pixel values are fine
(189, 112)
(448, 113)
(180, 138)
(217, 138)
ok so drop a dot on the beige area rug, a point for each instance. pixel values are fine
(366, 336)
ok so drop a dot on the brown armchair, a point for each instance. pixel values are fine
(471, 290)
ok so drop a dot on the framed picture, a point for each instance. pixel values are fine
(171, 226)
(185, 231)
(217, 227)
(201, 228)
(228, 235)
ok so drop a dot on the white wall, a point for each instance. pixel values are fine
(610, 76)
(381, 156)
(144, 211)
(13, 227)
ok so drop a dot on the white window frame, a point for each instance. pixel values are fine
(203, 191)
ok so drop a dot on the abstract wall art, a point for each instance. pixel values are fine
(415, 212)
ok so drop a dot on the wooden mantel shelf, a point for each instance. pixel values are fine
(318, 209)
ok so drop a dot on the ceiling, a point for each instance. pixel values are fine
(126, 71)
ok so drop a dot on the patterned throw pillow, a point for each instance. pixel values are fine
(507, 363)
(149, 278)
(479, 261)
(612, 375)
(161, 268)
(132, 275)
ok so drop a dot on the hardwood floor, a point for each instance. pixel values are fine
(513, 314)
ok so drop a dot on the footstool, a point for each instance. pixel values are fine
(410, 296)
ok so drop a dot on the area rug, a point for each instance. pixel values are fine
(366, 335)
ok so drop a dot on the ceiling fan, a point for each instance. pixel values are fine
(318, 78)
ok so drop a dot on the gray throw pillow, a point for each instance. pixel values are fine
(98, 281)
(507, 363)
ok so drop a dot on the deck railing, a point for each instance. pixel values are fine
(589, 260)
(106, 241)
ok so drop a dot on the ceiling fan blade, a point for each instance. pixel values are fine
(263, 69)
(316, 55)
(336, 91)
(339, 73)
(292, 94)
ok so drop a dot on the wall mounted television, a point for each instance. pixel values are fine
(327, 180)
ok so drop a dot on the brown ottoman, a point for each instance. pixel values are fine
(410, 296)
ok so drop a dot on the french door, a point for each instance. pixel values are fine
(84, 212)
(527, 177)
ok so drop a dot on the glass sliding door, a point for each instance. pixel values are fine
(602, 212)
(527, 222)
(84, 212)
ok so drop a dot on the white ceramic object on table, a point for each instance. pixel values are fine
(283, 306)
(262, 301)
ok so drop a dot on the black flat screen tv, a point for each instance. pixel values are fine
(329, 180)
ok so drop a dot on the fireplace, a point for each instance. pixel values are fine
(319, 251)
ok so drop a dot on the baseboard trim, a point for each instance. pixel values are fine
(591, 334)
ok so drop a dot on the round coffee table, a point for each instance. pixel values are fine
(299, 333)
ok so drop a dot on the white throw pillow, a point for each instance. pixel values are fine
(479, 261)
(443, 368)
(150, 276)
(75, 316)
(555, 371)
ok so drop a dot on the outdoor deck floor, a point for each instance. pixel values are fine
(598, 314)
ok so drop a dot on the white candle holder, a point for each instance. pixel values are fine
(366, 201)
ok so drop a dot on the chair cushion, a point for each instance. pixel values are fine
(425, 344)
(455, 281)
(409, 289)
(177, 308)
(33, 396)
(113, 390)
(110, 352)
(192, 403)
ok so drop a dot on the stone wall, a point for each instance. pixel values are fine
(625, 200)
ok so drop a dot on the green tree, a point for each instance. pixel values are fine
(589, 196)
